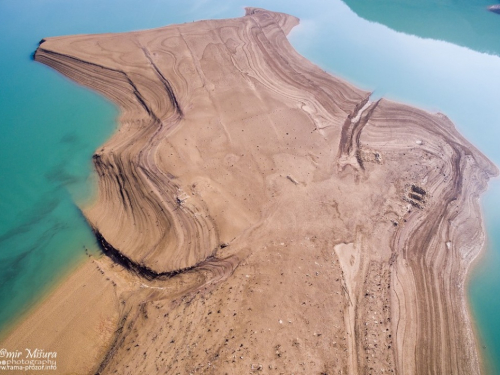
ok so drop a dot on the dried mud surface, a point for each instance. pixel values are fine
(261, 215)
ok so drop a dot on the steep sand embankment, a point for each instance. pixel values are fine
(260, 214)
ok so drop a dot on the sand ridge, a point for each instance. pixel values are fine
(267, 216)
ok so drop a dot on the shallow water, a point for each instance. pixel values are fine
(49, 129)
(42, 233)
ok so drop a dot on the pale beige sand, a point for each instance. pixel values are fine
(314, 231)
(77, 321)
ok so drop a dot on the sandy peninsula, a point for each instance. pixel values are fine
(257, 214)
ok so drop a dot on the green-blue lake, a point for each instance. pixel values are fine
(442, 55)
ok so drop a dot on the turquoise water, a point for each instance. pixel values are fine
(430, 53)
(485, 284)
(49, 129)
(462, 22)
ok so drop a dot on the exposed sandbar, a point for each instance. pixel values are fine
(265, 215)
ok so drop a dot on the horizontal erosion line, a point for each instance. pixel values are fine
(118, 257)
(55, 55)
(60, 57)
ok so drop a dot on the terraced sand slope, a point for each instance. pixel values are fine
(266, 216)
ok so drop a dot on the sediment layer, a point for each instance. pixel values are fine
(265, 215)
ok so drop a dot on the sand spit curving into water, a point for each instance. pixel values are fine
(259, 214)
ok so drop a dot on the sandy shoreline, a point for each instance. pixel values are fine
(75, 319)
(473, 267)
(36, 305)
(260, 214)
